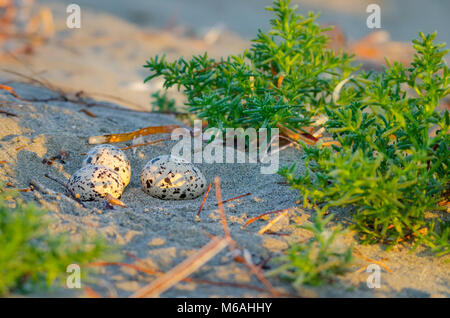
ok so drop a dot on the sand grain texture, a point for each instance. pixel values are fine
(166, 232)
(104, 59)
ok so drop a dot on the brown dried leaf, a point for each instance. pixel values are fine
(296, 135)
(113, 138)
(113, 201)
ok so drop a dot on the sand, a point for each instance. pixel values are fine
(166, 232)
(105, 59)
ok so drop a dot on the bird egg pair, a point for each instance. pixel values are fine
(106, 170)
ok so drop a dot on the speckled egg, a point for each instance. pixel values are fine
(111, 157)
(93, 182)
(172, 178)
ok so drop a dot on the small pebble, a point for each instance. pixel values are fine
(111, 157)
(171, 178)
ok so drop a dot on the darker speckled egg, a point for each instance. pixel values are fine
(94, 182)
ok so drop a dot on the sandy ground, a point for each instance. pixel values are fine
(104, 58)
(166, 232)
(105, 62)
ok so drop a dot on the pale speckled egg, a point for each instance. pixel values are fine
(111, 157)
(94, 182)
(171, 178)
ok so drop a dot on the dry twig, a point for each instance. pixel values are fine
(43, 189)
(262, 215)
(235, 198)
(182, 270)
(147, 270)
(74, 195)
(359, 254)
(89, 113)
(204, 200)
(271, 223)
(233, 246)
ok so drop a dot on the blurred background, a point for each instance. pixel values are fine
(403, 19)
(104, 58)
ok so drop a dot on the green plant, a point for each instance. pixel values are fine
(31, 257)
(388, 167)
(162, 103)
(438, 239)
(317, 261)
(284, 80)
